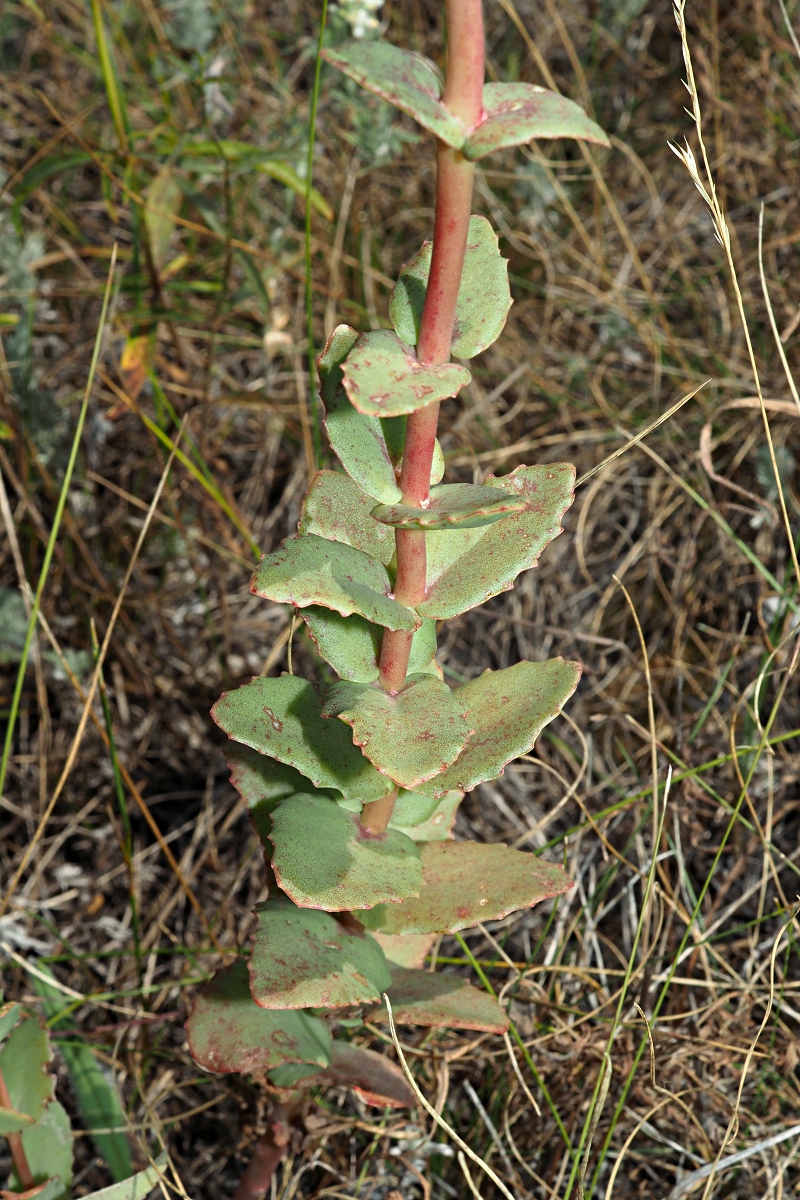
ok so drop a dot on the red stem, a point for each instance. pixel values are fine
(454, 175)
(15, 1143)
(269, 1151)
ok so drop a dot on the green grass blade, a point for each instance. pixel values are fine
(718, 518)
(199, 475)
(316, 425)
(119, 787)
(597, 1102)
(662, 995)
(51, 541)
(518, 1039)
(283, 173)
(116, 100)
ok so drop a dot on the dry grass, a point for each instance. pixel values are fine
(623, 304)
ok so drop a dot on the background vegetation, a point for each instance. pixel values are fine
(177, 131)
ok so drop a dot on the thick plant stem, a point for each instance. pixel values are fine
(269, 1150)
(454, 177)
(15, 1143)
(378, 813)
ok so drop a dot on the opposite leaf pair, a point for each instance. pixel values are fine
(514, 113)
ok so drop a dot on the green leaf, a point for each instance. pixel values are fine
(138, 1187)
(453, 505)
(9, 1015)
(484, 296)
(228, 1031)
(324, 859)
(162, 206)
(508, 709)
(227, 153)
(24, 1060)
(410, 736)
(282, 718)
(405, 949)
(307, 959)
(292, 1074)
(384, 378)
(11, 1120)
(468, 566)
(98, 1100)
(467, 882)
(311, 570)
(262, 782)
(352, 645)
(336, 508)
(428, 998)
(412, 809)
(423, 650)
(437, 828)
(358, 441)
(516, 113)
(408, 81)
(108, 69)
(41, 171)
(287, 175)
(48, 1149)
(369, 449)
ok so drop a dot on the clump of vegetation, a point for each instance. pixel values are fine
(354, 791)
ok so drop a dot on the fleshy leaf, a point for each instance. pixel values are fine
(516, 113)
(429, 998)
(376, 1078)
(312, 570)
(369, 449)
(405, 949)
(467, 882)
(509, 709)
(24, 1059)
(324, 858)
(48, 1149)
(439, 827)
(307, 959)
(410, 736)
(407, 80)
(337, 509)
(12, 1120)
(352, 645)
(453, 505)
(360, 442)
(228, 1031)
(282, 718)
(292, 1074)
(262, 782)
(412, 809)
(373, 1076)
(468, 566)
(484, 296)
(10, 1014)
(384, 378)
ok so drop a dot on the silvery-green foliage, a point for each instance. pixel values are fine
(191, 25)
(361, 16)
(18, 253)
